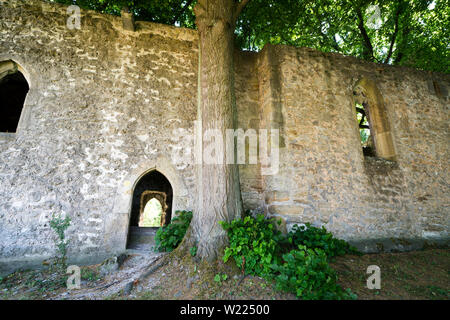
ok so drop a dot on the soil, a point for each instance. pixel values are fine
(409, 275)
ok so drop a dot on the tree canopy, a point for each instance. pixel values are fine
(401, 32)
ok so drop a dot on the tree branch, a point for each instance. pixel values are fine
(182, 11)
(363, 117)
(394, 35)
(239, 7)
(103, 7)
(362, 29)
(361, 123)
(398, 52)
(361, 110)
(335, 44)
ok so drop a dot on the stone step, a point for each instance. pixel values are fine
(141, 238)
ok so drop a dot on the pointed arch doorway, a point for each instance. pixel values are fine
(151, 209)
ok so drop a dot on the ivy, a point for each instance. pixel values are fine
(60, 225)
(298, 262)
(167, 238)
(306, 273)
(253, 244)
(320, 238)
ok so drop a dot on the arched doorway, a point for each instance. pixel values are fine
(151, 215)
(13, 91)
(151, 208)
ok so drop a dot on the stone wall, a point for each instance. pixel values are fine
(324, 177)
(105, 106)
(102, 105)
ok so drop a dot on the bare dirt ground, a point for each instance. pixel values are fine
(407, 275)
(410, 275)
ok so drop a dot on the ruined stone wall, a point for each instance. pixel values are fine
(101, 110)
(324, 177)
(248, 113)
(105, 106)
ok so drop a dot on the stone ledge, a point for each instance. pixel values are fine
(7, 136)
(163, 30)
(288, 210)
(387, 245)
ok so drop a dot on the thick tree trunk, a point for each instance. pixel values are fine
(219, 196)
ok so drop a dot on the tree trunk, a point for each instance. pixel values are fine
(219, 196)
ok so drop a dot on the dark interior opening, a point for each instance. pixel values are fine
(154, 181)
(13, 90)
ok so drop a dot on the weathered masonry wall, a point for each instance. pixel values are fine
(324, 177)
(101, 109)
(106, 106)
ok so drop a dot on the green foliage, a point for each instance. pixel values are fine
(260, 250)
(408, 32)
(152, 214)
(306, 273)
(253, 244)
(362, 122)
(173, 12)
(169, 237)
(220, 277)
(60, 225)
(312, 237)
(364, 135)
(193, 251)
(90, 274)
(52, 283)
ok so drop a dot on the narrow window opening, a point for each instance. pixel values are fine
(373, 123)
(13, 90)
(362, 115)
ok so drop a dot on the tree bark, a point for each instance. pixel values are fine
(219, 196)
